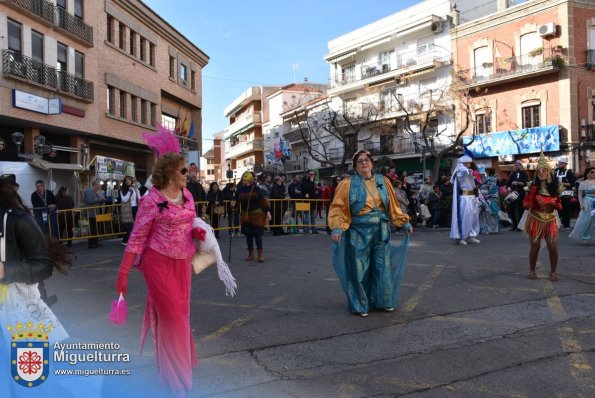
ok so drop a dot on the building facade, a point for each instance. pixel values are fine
(531, 69)
(82, 80)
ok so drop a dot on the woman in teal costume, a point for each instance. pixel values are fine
(586, 218)
(369, 268)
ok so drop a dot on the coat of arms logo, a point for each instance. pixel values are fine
(30, 358)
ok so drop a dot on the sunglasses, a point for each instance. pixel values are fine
(360, 161)
(183, 170)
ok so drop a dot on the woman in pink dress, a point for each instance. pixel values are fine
(163, 234)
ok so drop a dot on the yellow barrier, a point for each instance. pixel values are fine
(79, 223)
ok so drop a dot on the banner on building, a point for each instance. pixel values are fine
(515, 142)
(112, 169)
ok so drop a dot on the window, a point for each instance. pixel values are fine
(14, 36)
(348, 74)
(425, 48)
(143, 49)
(132, 47)
(61, 4)
(123, 104)
(36, 46)
(62, 65)
(133, 108)
(110, 29)
(79, 65)
(531, 116)
(122, 36)
(78, 8)
(482, 123)
(152, 54)
(172, 67)
(384, 60)
(110, 100)
(183, 73)
(529, 43)
(153, 114)
(483, 62)
(143, 111)
(168, 121)
(193, 80)
(386, 100)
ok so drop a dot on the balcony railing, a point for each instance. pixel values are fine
(407, 62)
(75, 26)
(244, 147)
(20, 67)
(40, 8)
(590, 59)
(504, 68)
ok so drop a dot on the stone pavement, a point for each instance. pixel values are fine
(469, 323)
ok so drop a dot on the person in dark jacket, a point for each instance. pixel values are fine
(517, 181)
(198, 193)
(65, 204)
(44, 208)
(566, 180)
(233, 217)
(31, 257)
(278, 206)
(309, 192)
(215, 207)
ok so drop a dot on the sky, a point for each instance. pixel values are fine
(259, 42)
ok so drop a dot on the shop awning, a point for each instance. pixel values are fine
(45, 165)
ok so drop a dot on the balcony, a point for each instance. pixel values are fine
(590, 59)
(244, 147)
(74, 27)
(17, 66)
(243, 123)
(373, 72)
(39, 9)
(513, 68)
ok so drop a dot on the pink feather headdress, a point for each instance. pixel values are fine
(164, 141)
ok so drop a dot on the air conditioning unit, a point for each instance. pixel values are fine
(437, 26)
(548, 29)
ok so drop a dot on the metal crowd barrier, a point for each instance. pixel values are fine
(79, 223)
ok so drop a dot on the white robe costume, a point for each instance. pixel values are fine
(465, 208)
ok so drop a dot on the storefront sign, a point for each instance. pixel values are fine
(515, 142)
(30, 102)
(113, 169)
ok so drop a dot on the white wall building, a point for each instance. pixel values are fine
(404, 56)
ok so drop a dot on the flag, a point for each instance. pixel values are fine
(177, 126)
(497, 57)
(185, 127)
(191, 133)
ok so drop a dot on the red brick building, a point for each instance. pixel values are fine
(531, 69)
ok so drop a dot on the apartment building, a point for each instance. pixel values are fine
(244, 143)
(380, 70)
(283, 104)
(531, 67)
(82, 80)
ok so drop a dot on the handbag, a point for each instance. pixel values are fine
(245, 217)
(22, 303)
(202, 261)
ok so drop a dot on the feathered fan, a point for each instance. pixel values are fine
(163, 142)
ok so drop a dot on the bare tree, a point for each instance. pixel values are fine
(454, 102)
(322, 127)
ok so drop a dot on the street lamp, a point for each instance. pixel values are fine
(18, 138)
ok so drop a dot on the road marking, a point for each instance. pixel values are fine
(579, 367)
(241, 321)
(421, 290)
(520, 289)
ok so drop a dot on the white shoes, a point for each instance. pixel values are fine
(473, 240)
(461, 242)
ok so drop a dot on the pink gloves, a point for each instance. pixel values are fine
(125, 265)
(199, 233)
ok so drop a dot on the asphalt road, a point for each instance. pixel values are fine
(469, 323)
